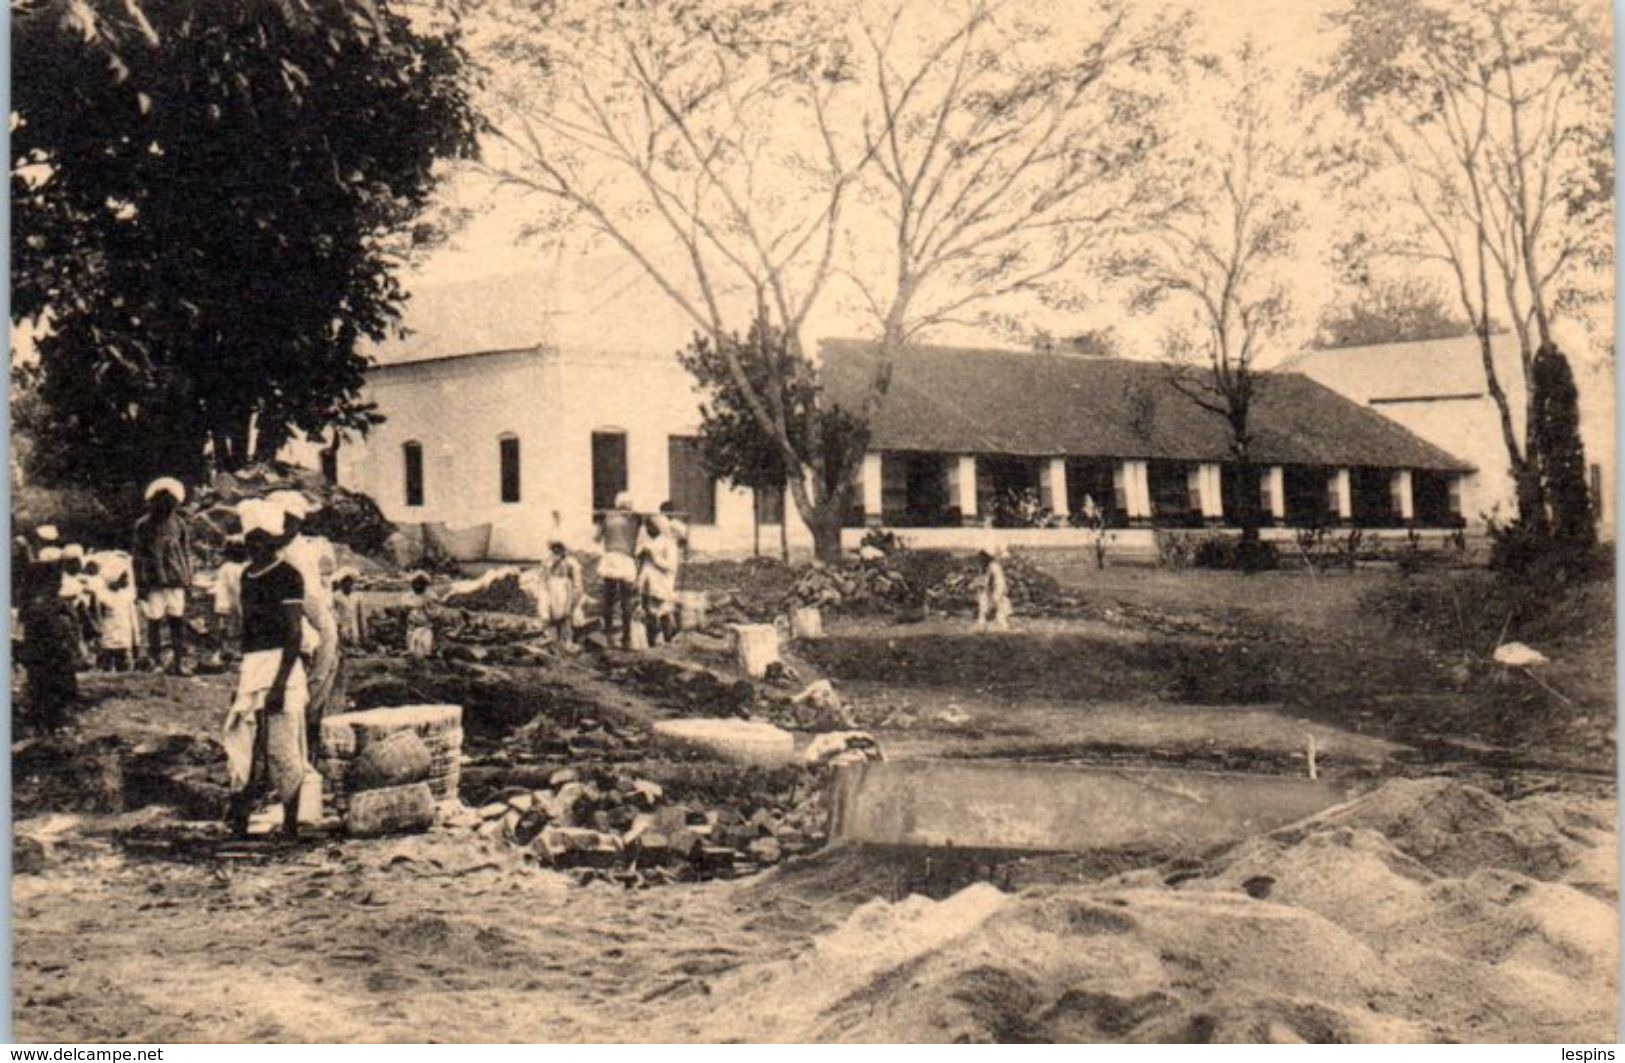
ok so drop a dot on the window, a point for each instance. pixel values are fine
(608, 468)
(412, 457)
(330, 464)
(693, 490)
(508, 447)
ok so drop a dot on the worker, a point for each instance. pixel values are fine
(564, 590)
(419, 626)
(120, 620)
(227, 617)
(271, 690)
(347, 609)
(47, 650)
(162, 552)
(657, 579)
(618, 532)
(678, 528)
(311, 555)
(992, 592)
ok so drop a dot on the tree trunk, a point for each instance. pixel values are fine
(826, 530)
(756, 522)
(784, 534)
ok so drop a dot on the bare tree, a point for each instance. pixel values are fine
(1220, 259)
(1003, 156)
(729, 148)
(1491, 120)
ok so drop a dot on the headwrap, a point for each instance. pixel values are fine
(166, 484)
(623, 500)
(293, 503)
(73, 552)
(47, 533)
(50, 554)
(260, 514)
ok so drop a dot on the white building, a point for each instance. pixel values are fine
(503, 428)
(1436, 389)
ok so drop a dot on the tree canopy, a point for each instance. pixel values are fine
(208, 203)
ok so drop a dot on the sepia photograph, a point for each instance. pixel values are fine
(857, 521)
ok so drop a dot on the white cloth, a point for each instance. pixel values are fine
(313, 558)
(257, 514)
(120, 622)
(166, 483)
(617, 566)
(228, 589)
(164, 601)
(285, 743)
(658, 576)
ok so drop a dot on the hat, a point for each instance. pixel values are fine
(293, 503)
(166, 484)
(345, 573)
(73, 551)
(50, 553)
(259, 514)
(47, 533)
(417, 575)
(623, 500)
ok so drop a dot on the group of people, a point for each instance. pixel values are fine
(642, 555)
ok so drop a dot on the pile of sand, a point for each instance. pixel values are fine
(1423, 911)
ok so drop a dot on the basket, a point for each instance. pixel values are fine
(346, 735)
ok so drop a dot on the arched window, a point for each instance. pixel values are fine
(412, 460)
(508, 448)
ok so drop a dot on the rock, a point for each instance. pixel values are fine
(494, 810)
(740, 741)
(393, 810)
(828, 748)
(27, 855)
(649, 793)
(562, 776)
(1517, 655)
(766, 850)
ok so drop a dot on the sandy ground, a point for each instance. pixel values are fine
(1457, 898)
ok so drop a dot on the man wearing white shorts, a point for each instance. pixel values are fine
(162, 554)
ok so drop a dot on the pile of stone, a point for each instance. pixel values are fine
(1032, 592)
(384, 770)
(868, 580)
(621, 828)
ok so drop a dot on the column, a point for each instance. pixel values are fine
(1055, 491)
(873, 487)
(1274, 484)
(1342, 500)
(1210, 488)
(1404, 503)
(1136, 490)
(962, 486)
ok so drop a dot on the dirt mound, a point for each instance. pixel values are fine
(1331, 931)
(1453, 829)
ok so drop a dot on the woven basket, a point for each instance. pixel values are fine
(390, 810)
(346, 735)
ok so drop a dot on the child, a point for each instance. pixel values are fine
(992, 593)
(227, 617)
(419, 629)
(120, 619)
(76, 591)
(163, 571)
(347, 609)
(565, 591)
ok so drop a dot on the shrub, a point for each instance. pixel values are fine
(1231, 553)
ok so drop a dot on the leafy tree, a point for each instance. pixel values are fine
(1394, 310)
(733, 445)
(1555, 428)
(1483, 146)
(1221, 258)
(208, 201)
(763, 159)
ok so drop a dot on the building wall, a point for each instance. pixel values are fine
(553, 402)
